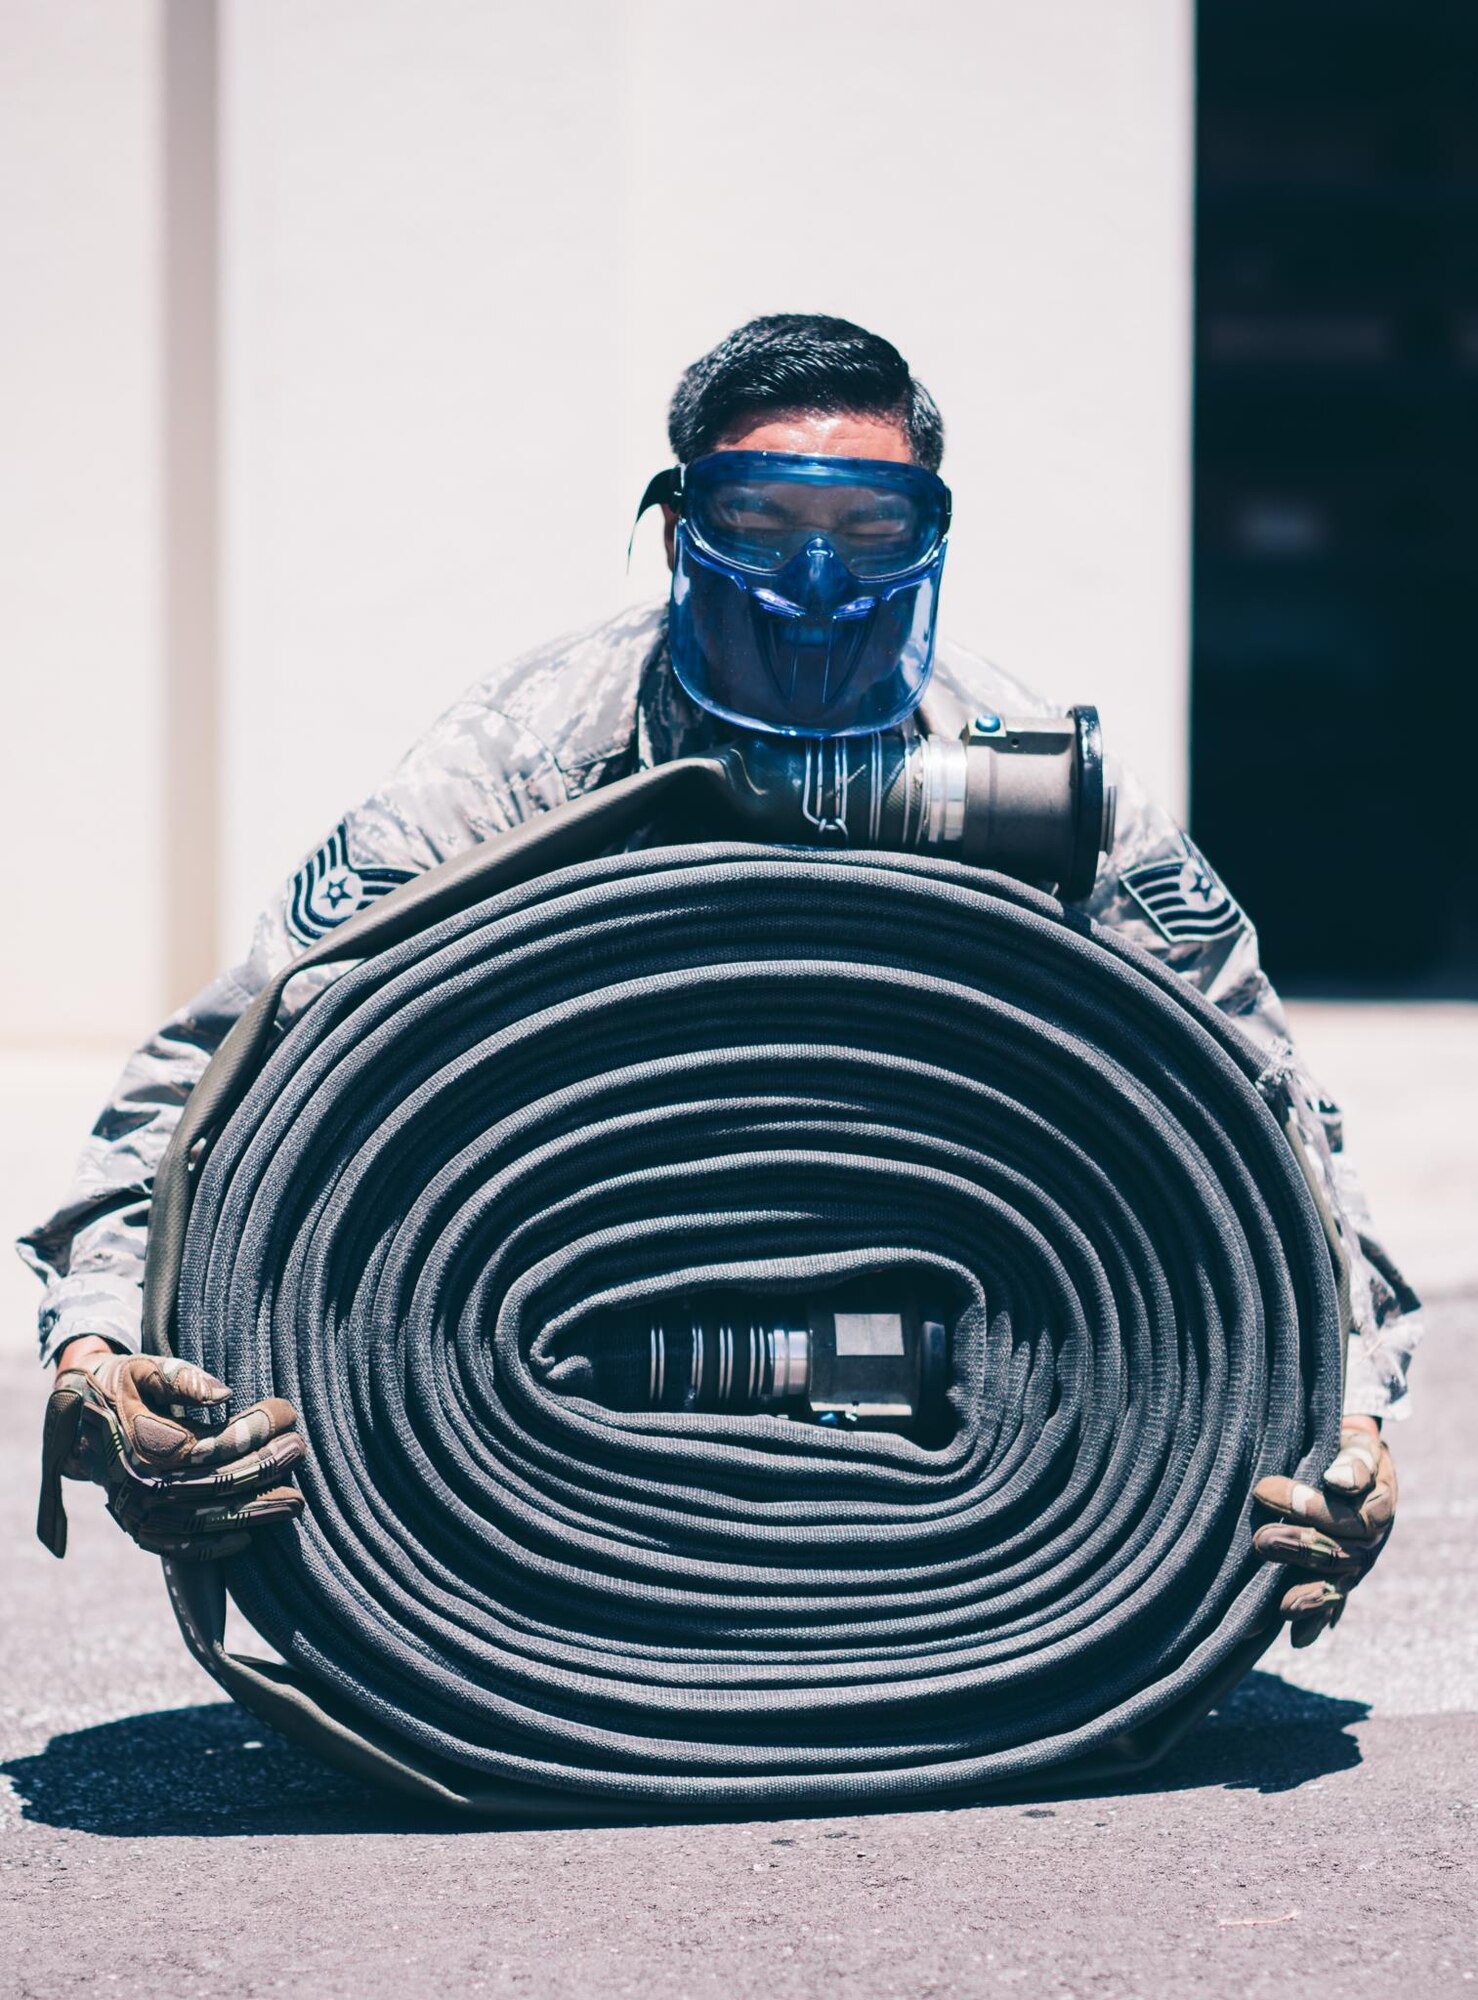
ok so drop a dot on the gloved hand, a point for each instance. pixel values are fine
(1335, 1533)
(179, 1490)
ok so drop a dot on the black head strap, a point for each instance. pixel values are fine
(664, 489)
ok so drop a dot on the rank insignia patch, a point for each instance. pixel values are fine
(1183, 899)
(328, 889)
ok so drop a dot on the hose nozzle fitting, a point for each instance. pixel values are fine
(1028, 798)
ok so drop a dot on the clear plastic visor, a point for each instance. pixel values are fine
(757, 510)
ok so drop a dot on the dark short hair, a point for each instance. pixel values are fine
(801, 362)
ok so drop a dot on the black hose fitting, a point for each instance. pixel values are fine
(863, 1358)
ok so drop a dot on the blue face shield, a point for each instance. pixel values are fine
(805, 589)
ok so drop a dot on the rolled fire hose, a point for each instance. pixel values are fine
(560, 1086)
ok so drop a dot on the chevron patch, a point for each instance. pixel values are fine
(329, 889)
(1184, 900)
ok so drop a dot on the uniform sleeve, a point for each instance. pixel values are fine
(1159, 889)
(474, 774)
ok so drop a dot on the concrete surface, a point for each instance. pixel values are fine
(1316, 1835)
(1406, 1078)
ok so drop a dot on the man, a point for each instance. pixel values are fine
(779, 619)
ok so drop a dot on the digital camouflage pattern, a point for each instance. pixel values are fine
(581, 712)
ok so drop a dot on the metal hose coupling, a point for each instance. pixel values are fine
(868, 1361)
(1028, 798)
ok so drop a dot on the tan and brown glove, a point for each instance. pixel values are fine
(179, 1489)
(1334, 1530)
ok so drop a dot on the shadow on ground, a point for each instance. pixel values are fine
(1265, 1736)
(213, 1770)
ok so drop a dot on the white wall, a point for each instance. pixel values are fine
(423, 290)
(466, 250)
(80, 634)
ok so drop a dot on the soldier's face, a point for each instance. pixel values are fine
(811, 436)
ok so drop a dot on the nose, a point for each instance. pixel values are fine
(827, 577)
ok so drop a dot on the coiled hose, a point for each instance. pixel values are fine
(755, 1068)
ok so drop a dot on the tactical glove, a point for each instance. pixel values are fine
(180, 1490)
(1335, 1533)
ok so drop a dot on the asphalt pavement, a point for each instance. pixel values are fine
(1315, 1836)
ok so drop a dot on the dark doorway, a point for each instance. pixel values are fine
(1335, 757)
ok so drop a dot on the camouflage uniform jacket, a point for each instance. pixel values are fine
(579, 713)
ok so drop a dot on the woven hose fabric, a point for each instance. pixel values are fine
(763, 1070)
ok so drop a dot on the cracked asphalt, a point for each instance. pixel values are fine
(1317, 1834)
